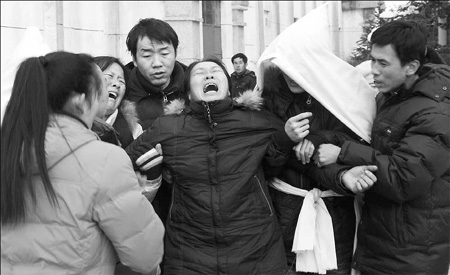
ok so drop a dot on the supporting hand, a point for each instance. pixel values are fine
(359, 178)
(304, 150)
(326, 154)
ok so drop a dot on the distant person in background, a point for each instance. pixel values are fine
(119, 125)
(70, 204)
(241, 79)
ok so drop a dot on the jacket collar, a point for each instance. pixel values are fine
(141, 87)
(65, 134)
(250, 99)
(244, 73)
(433, 82)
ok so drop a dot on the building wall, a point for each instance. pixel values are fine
(101, 27)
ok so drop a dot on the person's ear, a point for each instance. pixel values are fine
(189, 96)
(76, 103)
(134, 61)
(412, 67)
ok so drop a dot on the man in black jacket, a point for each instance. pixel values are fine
(405, 221)
(242, 79)
(156, 78)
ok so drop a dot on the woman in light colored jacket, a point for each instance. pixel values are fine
(70, 203)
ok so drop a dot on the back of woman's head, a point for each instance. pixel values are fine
(273, 85)
(42, 85)
(67, 73)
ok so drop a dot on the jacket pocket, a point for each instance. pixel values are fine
(172, 202)
(262, 196)
(401, 225)
(387, 136)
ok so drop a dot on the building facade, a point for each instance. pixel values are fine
(204, 28)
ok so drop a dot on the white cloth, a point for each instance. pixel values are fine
(314, 235)
(303, 52)
(31, 45)
(112, 118)
(151, 187)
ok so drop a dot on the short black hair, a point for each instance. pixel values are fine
(239, 55)
(408, 39)
(153, 28)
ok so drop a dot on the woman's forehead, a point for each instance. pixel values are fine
(206, 65)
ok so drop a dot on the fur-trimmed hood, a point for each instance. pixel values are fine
(129, 112)
(250, 99)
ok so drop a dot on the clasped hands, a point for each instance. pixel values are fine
(357, 179)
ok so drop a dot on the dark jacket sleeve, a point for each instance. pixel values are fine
(328, 177)
(421, 156)
(334, 132)
(279, 147)
(252, 83)
(143, 144)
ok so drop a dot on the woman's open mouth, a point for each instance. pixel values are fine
(210, 87)
(113, 95)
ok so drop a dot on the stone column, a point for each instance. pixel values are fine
(185, 18)
(54, 24)
(112, 26)
(238, 9)
(227, 32)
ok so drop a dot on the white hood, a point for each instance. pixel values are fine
(303, 52)
(31, 45)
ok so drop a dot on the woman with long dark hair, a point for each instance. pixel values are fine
(69, 202)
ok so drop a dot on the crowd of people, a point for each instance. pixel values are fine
(299, 167)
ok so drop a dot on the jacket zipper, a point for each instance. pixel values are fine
(171, 203)
(165, 99)
(262, 190)
(208, 112)
(309, 100)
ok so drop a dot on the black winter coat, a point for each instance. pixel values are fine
(221, 218)
(324, 128)
(150, 102)
(242, 82)
(405, 226)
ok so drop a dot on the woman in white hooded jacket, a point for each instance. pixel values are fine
(70, 203)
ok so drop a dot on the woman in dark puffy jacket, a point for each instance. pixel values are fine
(221, 219)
